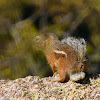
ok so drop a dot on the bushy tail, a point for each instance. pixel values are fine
(78, 44)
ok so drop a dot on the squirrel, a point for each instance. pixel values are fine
(66, 57)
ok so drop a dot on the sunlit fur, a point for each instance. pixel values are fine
(64, 58)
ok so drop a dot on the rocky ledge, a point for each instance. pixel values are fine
(36, 88)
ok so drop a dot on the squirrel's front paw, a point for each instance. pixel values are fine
(55, 74)
(57, 78)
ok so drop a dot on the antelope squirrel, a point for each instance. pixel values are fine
(66, 57)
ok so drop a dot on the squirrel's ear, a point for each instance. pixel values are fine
(61, 53)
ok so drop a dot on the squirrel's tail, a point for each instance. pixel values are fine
(78, 44)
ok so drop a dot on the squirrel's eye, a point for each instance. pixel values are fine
(37, 39)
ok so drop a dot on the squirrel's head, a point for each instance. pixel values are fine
(44, 39)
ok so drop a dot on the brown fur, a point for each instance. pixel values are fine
(65, 60)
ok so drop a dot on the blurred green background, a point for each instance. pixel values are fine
(22, 20)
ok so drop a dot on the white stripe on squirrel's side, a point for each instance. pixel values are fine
(60, 52)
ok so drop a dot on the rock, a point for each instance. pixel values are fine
(36, 88)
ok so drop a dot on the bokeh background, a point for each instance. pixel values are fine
(22, 20)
